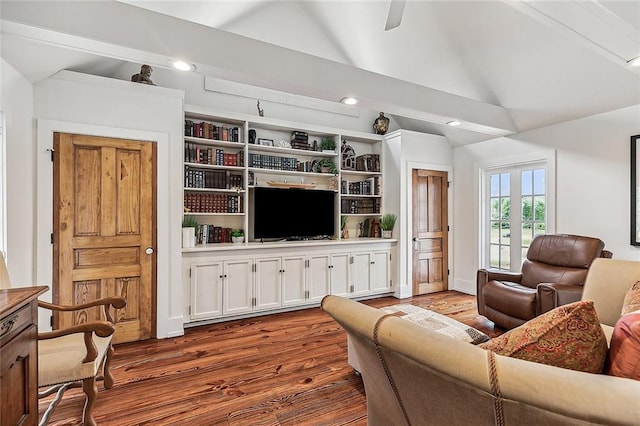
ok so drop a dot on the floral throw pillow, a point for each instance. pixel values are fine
(631, 301)
(569, 336)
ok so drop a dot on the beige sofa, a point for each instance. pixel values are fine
(419, 377)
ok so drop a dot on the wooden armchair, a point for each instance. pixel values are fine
(73, 357)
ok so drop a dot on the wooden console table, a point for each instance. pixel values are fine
(19, 355)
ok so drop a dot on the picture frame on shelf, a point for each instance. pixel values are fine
(265, 142)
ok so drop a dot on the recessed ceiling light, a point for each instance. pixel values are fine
(349, 100)
(635, 62)
(183, 66)
(454, 123)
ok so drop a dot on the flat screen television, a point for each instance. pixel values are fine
(293, 213)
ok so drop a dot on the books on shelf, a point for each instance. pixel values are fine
(212, 131)
(360, 206)
(208, 234)
(214, 179)
(213, 203)
(194, 153)
(370, 186)
(368, 163)
(370, 227)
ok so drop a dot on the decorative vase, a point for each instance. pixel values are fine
(381, 124)
(387, 234)
(188, 237)
(238, 240)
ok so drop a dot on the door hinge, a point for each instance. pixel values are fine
(448, 272)
(351, 288)
(51, 320)
(52, 238)
(189, 277)
(448, 228)
(306, 263)
(253, 267)
(390, 283)
(389, 256)
(254, 302)
(306, 294)
(448, 183)
(51, 151)
(351, 260)
(189, 310)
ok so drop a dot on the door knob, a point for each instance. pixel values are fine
(149, 250)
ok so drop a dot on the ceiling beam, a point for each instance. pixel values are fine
(126, 32)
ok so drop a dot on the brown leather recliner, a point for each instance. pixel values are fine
(552, 275)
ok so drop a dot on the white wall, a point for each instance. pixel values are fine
(79, 103)
(592, 183)
(403, 152)
(16, 101)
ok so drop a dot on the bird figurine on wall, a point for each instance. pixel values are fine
(260, 110)
(144, 76)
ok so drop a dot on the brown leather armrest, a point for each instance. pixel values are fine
(485, 275)
(552, 295)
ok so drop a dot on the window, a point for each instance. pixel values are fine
(516, 208)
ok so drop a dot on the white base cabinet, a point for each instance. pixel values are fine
(233, 284)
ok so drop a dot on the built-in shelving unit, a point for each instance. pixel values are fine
(227, 280)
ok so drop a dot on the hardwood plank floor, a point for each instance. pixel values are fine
(281, 369)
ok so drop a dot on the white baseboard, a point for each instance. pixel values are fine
(464, 286)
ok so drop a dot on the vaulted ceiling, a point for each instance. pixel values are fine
(501, 67)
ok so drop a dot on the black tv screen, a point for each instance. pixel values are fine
(293, 213)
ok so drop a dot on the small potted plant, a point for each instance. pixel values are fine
(328, 145)
(387, 222)
(189, 226)
(326, 166)
(237, 236)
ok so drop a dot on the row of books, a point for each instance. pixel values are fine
(208, 234)
(360, 206)
(218, 179)
(370, 227)
(370, 186)
(213, 203)
(194, 153)
(207, 130)
(368, 163)
(273, 162)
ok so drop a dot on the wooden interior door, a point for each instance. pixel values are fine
(104, 230)
(430, 231)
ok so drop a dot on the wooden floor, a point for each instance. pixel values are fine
(282, 369)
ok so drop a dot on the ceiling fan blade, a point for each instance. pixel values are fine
(396, 9)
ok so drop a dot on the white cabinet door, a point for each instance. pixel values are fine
(238, 286)
(361, 273)
(269, 274)
(318, 277)
(380, 272)
(293, 280)
(339, 272)
(206, 290)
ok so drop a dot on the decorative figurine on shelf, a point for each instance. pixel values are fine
(144, 76)
(348, 156)
(381, 125)
(260, 110)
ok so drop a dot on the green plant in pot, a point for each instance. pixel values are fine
(387, 222)
(328, 144)
(189, 226)
(326, 166)
(237, 235)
